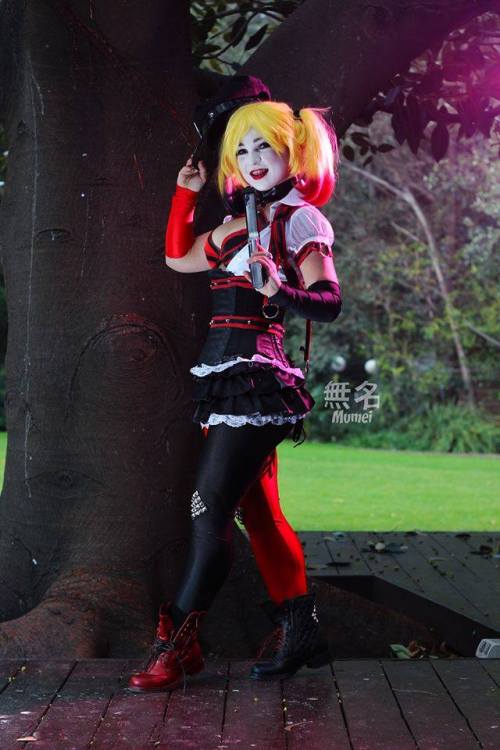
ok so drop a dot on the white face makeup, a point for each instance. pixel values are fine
(261, 166)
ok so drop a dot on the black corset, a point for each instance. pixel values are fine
(233, 309)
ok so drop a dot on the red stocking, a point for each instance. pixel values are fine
(277, 548)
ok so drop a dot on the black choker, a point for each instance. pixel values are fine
(233, 202)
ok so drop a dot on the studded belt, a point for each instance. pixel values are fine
(229, 281)
(250, 322)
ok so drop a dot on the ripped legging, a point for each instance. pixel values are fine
(238, 466)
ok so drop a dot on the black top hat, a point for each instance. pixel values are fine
(211, 116)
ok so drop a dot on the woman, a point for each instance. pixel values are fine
(249, 394)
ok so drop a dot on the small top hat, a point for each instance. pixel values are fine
(211, 116)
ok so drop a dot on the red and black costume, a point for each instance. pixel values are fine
(248, 396)
(243, 375)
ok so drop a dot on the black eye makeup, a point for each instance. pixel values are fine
(243, 150)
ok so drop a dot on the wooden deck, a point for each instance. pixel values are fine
(449, 582)
(436, 704)
(445, 581)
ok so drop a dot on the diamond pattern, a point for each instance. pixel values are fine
(197, 505)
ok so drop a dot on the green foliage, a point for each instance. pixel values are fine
(224, 34)
(394, 311)
(448, 428)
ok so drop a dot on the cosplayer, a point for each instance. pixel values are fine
(249, 394)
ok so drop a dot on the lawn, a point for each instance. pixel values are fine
(324, 486)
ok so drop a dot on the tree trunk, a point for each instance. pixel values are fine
(94, 515)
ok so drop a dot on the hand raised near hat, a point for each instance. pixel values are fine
(273, 282)
(192, 178)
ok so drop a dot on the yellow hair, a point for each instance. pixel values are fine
(310, 140)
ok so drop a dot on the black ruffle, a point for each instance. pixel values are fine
(247, 389)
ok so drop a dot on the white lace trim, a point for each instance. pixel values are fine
(238, 420)
(204, 369)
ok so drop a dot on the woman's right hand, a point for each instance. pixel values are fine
(192, 178)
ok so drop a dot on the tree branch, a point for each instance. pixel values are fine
(338, 54)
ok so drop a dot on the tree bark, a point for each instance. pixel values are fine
(101, 447)
(93, 516)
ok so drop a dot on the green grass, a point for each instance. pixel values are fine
(329, 487)
(324, 486)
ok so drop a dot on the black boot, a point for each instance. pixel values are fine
(298, 641)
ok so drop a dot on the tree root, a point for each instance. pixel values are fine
(84, 614)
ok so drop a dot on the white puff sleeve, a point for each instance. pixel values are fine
(307, 224)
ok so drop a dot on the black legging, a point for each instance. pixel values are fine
(230, 460)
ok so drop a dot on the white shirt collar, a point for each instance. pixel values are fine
(293, 198)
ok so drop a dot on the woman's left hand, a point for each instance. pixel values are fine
(265, 259)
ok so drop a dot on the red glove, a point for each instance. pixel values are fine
(179, 236)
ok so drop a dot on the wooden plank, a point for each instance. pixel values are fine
(343, 550)
(337, 553)
(27, 697)
(441, 606)
(194, 717)
(314, 717)
(447, 578)
(492, 667)
(73, 715)
(476, 696)
(130, 718)
(371, 711)
(437, 587)
(485, 570)
(9, 668)
(476, 538)
(317, 556)
(254, 715)
(392, 567)
(431, 715)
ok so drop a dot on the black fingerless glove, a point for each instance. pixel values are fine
(322, 301)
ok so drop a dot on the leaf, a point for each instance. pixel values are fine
(472, 56)
(256, 38)
(455, 72)
(392, 95)
(360, 139)
(398, 122)
(384, 147)
(491, 81)
(207, 49)
(238, 31)
(439, 141)
(363, 120)
(400, 651)
(413, 123)
(431, 82)
(348, 152)
(485, 123)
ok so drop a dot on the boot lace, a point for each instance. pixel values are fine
(275, 641)
(160, 647)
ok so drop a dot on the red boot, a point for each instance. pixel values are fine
(174, 654)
